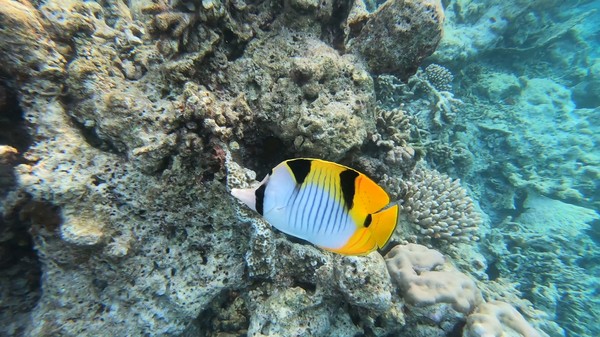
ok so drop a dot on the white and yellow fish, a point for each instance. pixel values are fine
(330, 205)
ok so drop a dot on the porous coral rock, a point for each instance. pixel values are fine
(170, 268)
(399, 35)
(364, 281)
(295, 312)
(27, 49)
(318, 102)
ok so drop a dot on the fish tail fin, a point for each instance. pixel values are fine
(383, 224)
(246, 196)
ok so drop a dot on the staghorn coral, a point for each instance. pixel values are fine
(417, 96)
(439, 77)
(439, 208)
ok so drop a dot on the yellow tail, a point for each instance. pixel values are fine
(383, 224)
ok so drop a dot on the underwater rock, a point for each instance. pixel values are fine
(498, 319)
(498, 86)
(399, 35)
(414, 269)
(317, 102)
(365, 282)
(26, 49)
(548, 252)
(586, 93)
(294, 312)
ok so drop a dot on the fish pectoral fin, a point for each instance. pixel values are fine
(383, 224)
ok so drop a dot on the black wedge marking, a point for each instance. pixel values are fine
(368, 220)
(347, 179)
(260, 197)
(300, 168)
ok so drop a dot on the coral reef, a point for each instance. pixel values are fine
(134, 121)
(548, 252)
(413, 268)
(27, 51)
(399, 35)
(439, 209)
(439, 77)
(532, 154)
(436, 292)
(498, 319)
(319, 103)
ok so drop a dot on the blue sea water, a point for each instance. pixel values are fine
(522, 134)
(529, 75)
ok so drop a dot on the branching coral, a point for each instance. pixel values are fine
(439, 77)
(393, 134)
(432, 104)
(439, 208)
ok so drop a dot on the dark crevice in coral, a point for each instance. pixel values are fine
(309, 287)
(89, 133)
(335, 27)
(264, 153)
(226, 316)
(13, 128)
(492, 271)
(91, 137)
(457, 329)
(234, 47)
(20, 269)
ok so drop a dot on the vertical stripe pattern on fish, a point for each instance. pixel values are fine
(330, 205)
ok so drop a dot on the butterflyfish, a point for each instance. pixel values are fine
(327, 204)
